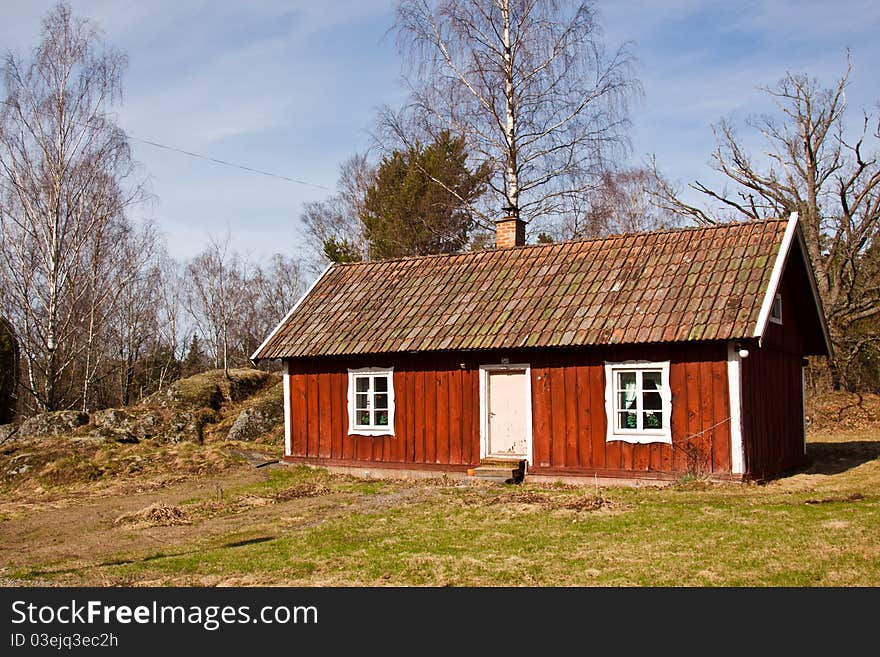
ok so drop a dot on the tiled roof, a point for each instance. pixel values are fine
(668, 286)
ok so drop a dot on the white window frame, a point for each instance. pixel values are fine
(643, 436)
(371, 429)
(777, 303)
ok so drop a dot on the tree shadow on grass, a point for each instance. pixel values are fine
(145, 559)
(834, 458)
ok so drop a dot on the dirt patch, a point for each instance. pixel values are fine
(154, 515)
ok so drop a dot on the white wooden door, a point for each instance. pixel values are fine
(508, 414)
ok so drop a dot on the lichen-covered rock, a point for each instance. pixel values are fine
(200, 391)
(59, 423)
(188, 425)
(127, 426)
(256, 421)
(211, 389)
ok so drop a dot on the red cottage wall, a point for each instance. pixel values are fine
(569, 423)
(772, 387)
(437, 417)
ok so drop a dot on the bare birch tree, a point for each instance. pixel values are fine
(333, 226)
(217, 296)
(623, 201)
(832, 181)
(133, 307)
(64, 172)
(530, 86)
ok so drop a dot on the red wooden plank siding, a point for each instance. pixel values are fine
(613, 447)
(707, 416)
(298, 414)
(540, 414)
(598, 426)
(442, 417)
(676, 459)
(772, 423)
(395, 446)
(721, 403)
(337, 416)
(430, 416)
(456, 435)
(690, 444)
(584, 416)
(571, 417)
(314, 416)
(557, 416)
(419, 406)
(324, 414)
(411, 424)
(467, 415)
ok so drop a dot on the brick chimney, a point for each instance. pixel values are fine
(510, 231)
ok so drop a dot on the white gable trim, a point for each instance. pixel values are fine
(792, 232)
(287, 316)
(776, 275)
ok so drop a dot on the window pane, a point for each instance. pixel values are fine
(626, 420)
(363, 418)
(381, 418)
(626, 400)
(651, 401)
(653, 421)
(381, 401)
(626, 390)
(361, 401)
(380, 384)
(362, 383)
(652, 381)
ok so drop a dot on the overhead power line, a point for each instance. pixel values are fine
(207, 158)
(227, 163)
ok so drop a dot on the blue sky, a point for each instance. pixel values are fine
(292, 87)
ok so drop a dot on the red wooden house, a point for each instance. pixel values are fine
(645, 355)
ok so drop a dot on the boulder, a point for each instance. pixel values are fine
(188, 425)
(127, 426)
(256, 421)
(58, 423)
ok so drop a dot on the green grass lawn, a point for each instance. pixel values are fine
(300, 526)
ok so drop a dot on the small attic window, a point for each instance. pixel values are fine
(776, 310)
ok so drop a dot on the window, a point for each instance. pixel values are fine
(776, 310)
(638, 402)
(371, 402)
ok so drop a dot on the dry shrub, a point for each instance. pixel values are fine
(302, 490)
(155, 515)
(586, 502)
